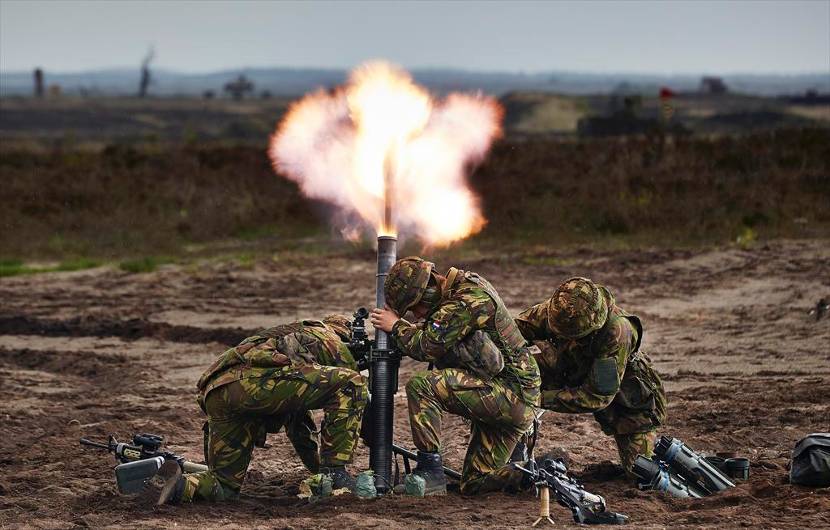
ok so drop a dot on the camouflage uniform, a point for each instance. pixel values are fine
(602, 372)
(274, 379)
(500, 407)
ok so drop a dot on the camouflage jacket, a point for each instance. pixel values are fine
(582, 375)
(468, 304)
(273, 349)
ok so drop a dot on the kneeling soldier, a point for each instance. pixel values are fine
(591, 362)
(485, 371)
(271, 379)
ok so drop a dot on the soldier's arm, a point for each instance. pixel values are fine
(532, 322)
(329, 350)
(445, 328)
(603, 381)
(549, 363)
(344, 358)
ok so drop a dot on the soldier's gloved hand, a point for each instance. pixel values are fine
(384, 319)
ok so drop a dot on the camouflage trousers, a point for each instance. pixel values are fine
(237, 412)
(498, 416)
(631, 445)
(300, 429)
(302, 433)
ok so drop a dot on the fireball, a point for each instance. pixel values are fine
(382, 149)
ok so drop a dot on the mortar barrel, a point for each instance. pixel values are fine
(387, 254)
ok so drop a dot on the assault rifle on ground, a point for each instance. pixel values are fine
(551, 475)
(140, 460)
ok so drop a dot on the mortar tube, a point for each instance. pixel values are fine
(383, 379)
(387, 255)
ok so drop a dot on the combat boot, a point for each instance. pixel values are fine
(165, 487)
(340, 478)
(430, 469)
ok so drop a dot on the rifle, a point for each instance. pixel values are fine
(141, 460)
(587, 508)
(144, 446)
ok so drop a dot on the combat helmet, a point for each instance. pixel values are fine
(405, 285)
(578, 307)
(341, 325)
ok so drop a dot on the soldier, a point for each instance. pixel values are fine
(485, 371)
(271, 379)
(591, 362)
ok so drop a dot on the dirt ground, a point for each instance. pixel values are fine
(100, 351)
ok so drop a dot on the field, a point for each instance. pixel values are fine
(138, 240)
(93, 352)
(72, 121)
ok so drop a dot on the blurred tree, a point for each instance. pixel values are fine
(239, 87)
(38, 83)
(144, 83)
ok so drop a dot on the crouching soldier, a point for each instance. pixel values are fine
(485, 371)
(590, 362)
(273, 379)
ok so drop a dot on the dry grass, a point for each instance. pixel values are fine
(648, 189)
(158, 200)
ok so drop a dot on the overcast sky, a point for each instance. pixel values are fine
(618, 36)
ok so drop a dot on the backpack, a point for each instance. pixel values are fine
(811, 461)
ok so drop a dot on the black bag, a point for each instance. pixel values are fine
(811, 461)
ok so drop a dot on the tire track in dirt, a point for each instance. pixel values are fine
(132, 329)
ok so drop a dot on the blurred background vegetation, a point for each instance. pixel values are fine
(145, 181)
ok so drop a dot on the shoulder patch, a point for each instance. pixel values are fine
(604, 376)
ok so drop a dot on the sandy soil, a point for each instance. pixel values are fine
(97, 352)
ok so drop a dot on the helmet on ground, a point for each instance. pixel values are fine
(405, 285)
(577, 308)
(341, 325)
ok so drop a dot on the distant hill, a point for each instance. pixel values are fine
(290, 82)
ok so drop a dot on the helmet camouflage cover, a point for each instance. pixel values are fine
(340, 324)
(577, 308)
(406, 282)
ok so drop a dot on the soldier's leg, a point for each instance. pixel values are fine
(302, 432)
(342, 394)
(499, 419)
(631, 445)
(236, 415)
(230, 442)
(486, 465)
(426, 410)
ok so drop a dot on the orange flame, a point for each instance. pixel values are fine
(382, 148)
